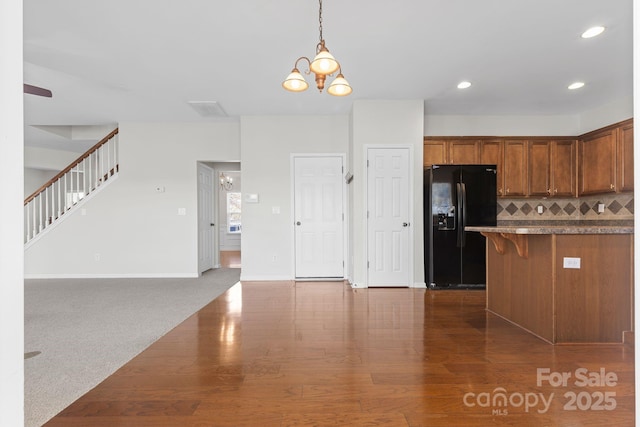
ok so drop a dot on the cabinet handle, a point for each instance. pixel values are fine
(611, 186)
(548, 191)
(555, 191)
(507, 190)
(500, 191)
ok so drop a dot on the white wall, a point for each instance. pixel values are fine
(45, 158)
(549, 125)
(267, 144)
(129, 229)
(613, 112)
(35, 178)
(386, 123)
(11, 176)
(453, 125)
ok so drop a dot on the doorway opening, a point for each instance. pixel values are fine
(219, 215)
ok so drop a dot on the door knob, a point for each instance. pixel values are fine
(298, 223)
(212, 224)
(405, 224)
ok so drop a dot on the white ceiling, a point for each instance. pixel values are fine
(143, 60)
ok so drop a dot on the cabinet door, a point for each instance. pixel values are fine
(598, 163)
(563, 169)
(540, 168)
(463, 152)
(434, 153)
(625, 157)
(515, 168)
(492, 153)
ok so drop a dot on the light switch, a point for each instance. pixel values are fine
(600, 207)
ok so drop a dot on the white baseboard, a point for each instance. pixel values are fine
(266, 278)
(419, 285)
(113, 276)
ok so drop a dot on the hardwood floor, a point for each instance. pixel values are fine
(230, 259)
(323, 354)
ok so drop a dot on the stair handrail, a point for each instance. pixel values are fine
(72, 165)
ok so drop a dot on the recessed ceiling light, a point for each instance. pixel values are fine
(592, 32)
(576, 85)
(464, 85)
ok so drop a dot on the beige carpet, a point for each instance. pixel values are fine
(83, 330)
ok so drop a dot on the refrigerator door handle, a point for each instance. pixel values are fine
(463, 233)
(459, 207)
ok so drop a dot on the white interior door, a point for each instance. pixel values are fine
(318, 217)
(205, 218)
(388, 215)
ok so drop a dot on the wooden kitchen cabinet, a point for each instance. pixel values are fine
(597, 157)
(552, 168)
(625, 156)
(434, 152)
(492, 153)
(450, 152)
(463, 152)
(515, 170)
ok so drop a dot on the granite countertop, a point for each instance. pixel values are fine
(554, 229)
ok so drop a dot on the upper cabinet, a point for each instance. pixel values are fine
(597, 162)
(492, 153)
(605, 157)
(552, 168)
(463, 152)
(450, 152)
(515, 170)
(564, 169)
(434, 152)
(625, 157)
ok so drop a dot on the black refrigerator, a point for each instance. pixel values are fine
(456, 196)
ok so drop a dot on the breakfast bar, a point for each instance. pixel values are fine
(564, 284)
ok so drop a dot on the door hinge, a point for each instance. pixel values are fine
(367, 162)
(367, 264)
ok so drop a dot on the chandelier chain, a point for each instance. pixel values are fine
(320, 19)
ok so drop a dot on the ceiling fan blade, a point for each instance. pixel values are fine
(35, 90)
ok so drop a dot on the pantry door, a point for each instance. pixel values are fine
(388, 217)
(319, 217)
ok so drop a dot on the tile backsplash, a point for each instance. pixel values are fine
(614, 207)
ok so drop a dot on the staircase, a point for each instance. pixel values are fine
(57, 198)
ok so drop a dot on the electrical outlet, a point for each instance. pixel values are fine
(600, 207)
(96, 257)
(569, 262)
(540, 209)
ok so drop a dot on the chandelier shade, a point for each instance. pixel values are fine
(323, 65)
(339, 87)
(295, 82)
(324, 62)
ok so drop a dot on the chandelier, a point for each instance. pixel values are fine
(226, 182)
(323, 65)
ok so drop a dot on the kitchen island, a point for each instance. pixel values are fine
(564, 284)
